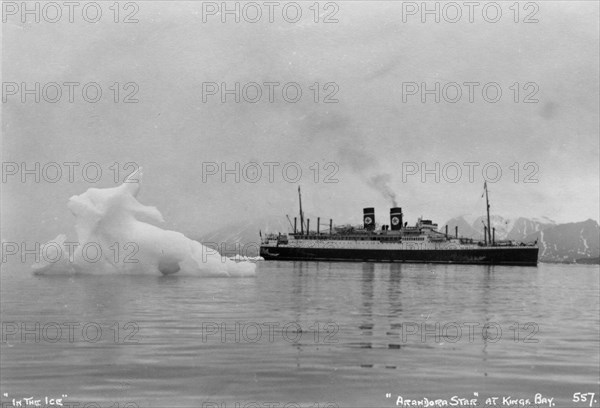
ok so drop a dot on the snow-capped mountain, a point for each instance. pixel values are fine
(506, 228)
(572, 242)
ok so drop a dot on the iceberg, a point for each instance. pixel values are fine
(111, 239)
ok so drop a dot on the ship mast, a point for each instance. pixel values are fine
(290, 221)
(487, 206)
(301, 213)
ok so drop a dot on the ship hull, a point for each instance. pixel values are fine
(521, 256)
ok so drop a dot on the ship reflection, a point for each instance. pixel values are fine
(379, 329)
(366, 324)
(394, 291)
(488, 276)
(394, 296)
(376, 292)
(366, 308)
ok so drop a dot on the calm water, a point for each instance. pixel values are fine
(353, 333)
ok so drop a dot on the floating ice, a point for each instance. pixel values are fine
(110, 239)
(239, 257)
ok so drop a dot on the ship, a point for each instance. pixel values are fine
(393, 242)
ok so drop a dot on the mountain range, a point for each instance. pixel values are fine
(565, 243)
(570, 242)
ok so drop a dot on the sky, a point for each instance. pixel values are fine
(366, 130)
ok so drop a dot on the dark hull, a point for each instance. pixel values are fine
(523, 256)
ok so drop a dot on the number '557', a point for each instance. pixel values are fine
(584, 397)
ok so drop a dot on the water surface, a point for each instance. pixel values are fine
(340, 333)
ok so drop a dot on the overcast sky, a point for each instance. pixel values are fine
(368, 59)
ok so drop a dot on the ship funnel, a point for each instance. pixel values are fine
(369, 218)
(396, 218)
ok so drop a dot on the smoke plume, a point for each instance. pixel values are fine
(380, 183)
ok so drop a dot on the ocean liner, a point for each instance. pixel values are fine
(396, 242)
